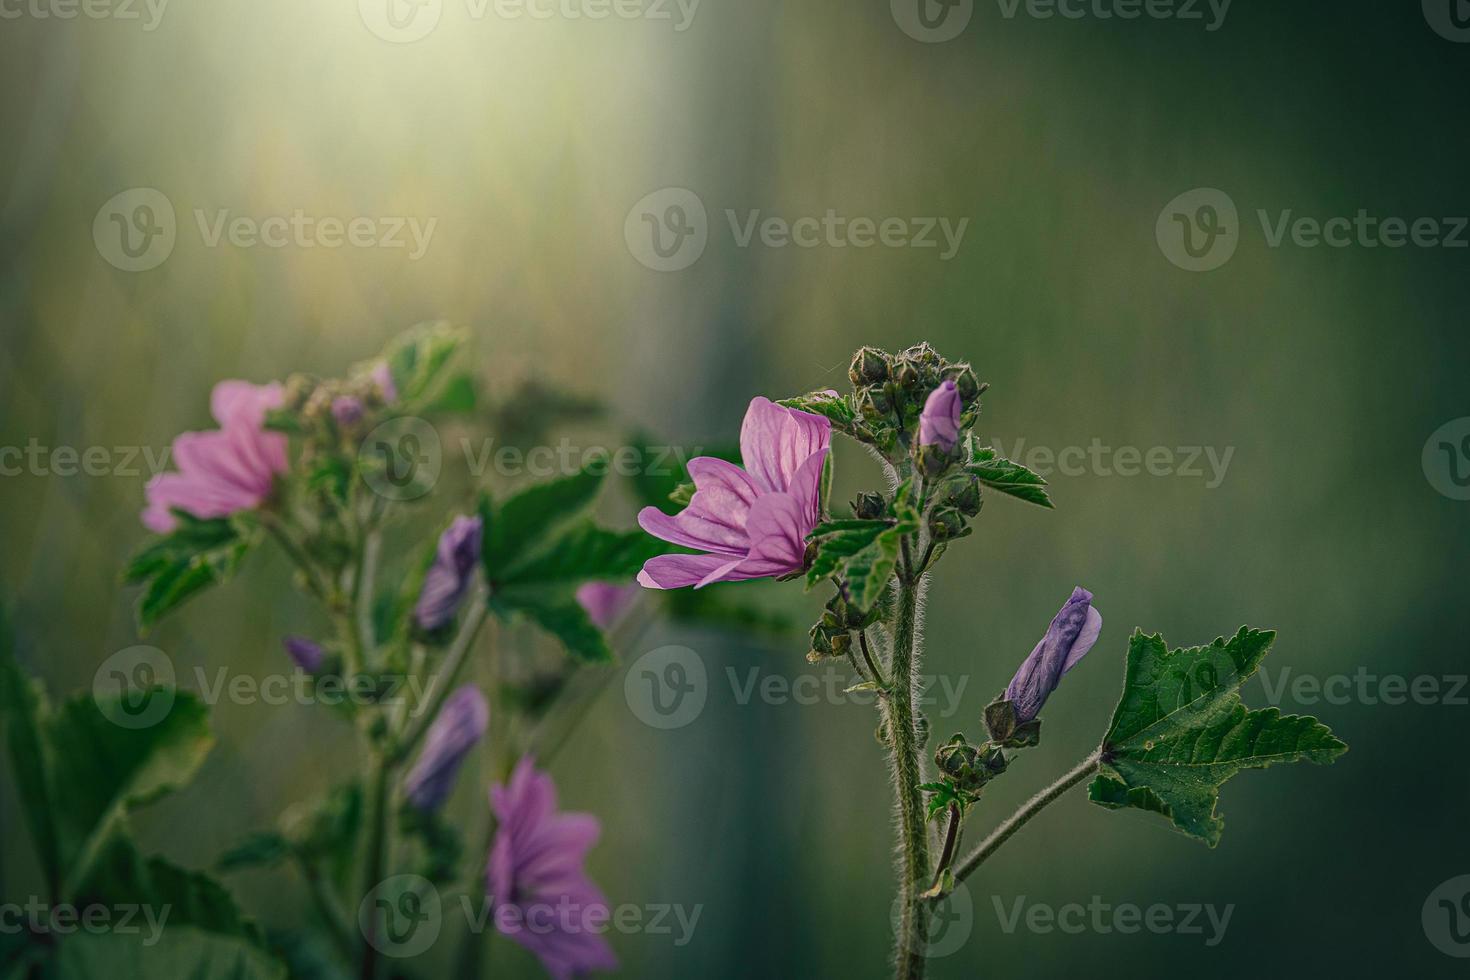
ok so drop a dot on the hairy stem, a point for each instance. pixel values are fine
(1028, 810)
(328, 905)
(443, 682)
(377, 857)
(913, 838)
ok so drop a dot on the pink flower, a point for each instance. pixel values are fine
(939, 424)
(543, 898)
(605, 602)
(753, 522)
(225, 470)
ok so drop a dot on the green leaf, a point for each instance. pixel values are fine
(1009, 478)
(459, 396)
(264, 849)
(417, 360)
(197, 554)
(561, 616)
(99, 771)
(584, 552)
(23, 709)
(864, 553)
(513, 526)
(825, 403)
(1181, 731)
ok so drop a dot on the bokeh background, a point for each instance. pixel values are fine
(1324, 370)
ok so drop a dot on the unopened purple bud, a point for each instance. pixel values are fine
(305, 653)
(346, 409)
(1071, 634)
(449, 576)
(604, 602)
(383, 377)
(461, 722)
(939, 424)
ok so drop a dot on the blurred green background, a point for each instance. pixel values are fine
(1323, 369)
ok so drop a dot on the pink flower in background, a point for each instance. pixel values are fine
(753, 522)
(542, 896)
(605, 602)
(383, 377)
(225, 470)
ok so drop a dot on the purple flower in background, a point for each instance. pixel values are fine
(604, 602)
(450, 575)
(460, 724)
(1071, 634)
(304, 652)
(383, 377)
(225, 470)
(939, 424)
(753, 522)
(346, 409)
(543, 897)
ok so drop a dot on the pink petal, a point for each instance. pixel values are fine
(806, 488)
(240, 402)
(680, 571)
(691, 531)
(1085, 639)
(775, 441)
(778, 535)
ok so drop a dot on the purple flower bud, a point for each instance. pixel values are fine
(383, 377)
(939, 424)
(462, 721)
(1070, 635)
(346, 409)
(450, 574)
(305, 653)
(604, 602)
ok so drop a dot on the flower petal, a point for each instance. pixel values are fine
(681, 571)
(775, 441)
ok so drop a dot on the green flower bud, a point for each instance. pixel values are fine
(868, 506)
(870, 366)
(946, 524)
(964, 495)
(964, 378)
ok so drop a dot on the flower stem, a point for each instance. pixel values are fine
(443, 682)
(1030, 809)
(913, 838)
(377, 857)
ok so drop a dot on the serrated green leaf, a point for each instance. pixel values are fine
(196, 555)
(458, 396)
(582, 553)
(512, 527)
(264, 849)
(1009, 478)
(99, 771)
(23, 710)
(417, 360)
(560, 615)
(1180, 731)
(826, 404)
(863, 553)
